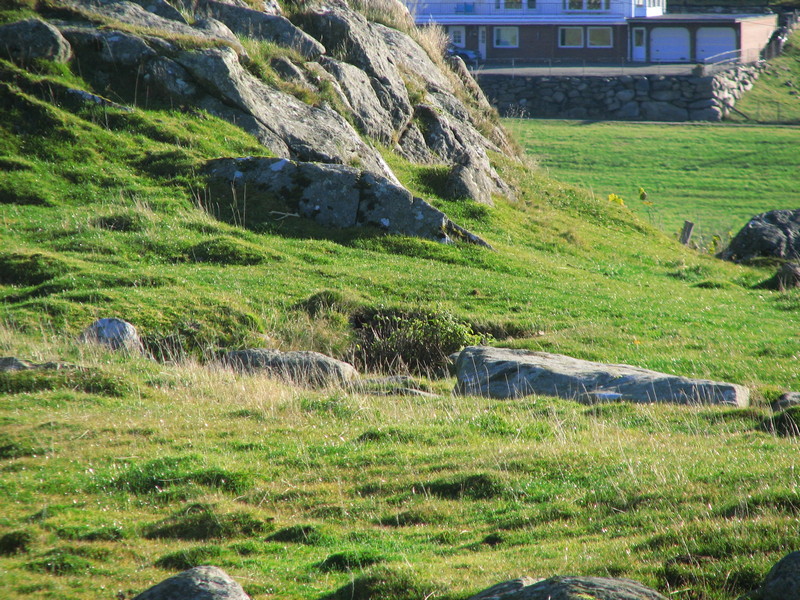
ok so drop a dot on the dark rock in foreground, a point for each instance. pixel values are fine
(505, 373)
(782, 582)
(773, 234)
(200, 583)
(569, 588)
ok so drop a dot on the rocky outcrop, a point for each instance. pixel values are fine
(506, 373)
(348, 34)
(782, 582)
(303, 367)
(200, 583)
(192, 58)
(266, 24)
(773, 234)
(31, 39)
(569, 588)
(331, 195)
(114, 333)
(11, 364)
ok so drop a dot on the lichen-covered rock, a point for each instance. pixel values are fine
(506, 373)
(348, 34)
(33, 39)
(307, 368)
(773, 234)
(569, 588)
(200, 583)
(310, 133)
(114, 333)
(369, 114)
(258, 24)
(782, 582)
(331, 195)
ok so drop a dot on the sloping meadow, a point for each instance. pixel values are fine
(119, 470)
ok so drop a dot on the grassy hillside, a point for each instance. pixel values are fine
(119, 471)
(776, 96)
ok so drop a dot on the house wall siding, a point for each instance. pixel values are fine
(538, 42)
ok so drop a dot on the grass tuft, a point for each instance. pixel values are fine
(199, 522)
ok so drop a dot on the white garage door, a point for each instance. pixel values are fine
(669, 44)
(712, 41)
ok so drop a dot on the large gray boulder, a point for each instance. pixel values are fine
(569, 588)
(33, 39)
(506, 373)
(307, 368)
(331, 195)
(200, 583)
(782, 582)
(773, 234)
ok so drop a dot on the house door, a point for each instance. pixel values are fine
(482, 42)
(639, 45)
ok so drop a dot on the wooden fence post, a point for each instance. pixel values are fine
(686, 234)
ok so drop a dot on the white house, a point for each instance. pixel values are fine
(595, 30)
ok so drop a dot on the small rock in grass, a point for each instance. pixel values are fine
(114, 333)
(200, 583)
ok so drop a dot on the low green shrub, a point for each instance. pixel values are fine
(479, 486)
(60, 561)
(30, 268)
(189, 558)
(387, 584)
(202, 522)
(349, 561)
(417, 340)
(154, 476)
(298, 534)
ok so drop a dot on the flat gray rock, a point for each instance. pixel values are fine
(200, 583)
(569, 588)
(506, 373)
(303, 367)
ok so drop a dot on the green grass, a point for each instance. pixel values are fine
(776, 95)
(717, 176)
(117, 471)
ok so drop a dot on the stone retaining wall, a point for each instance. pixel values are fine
(626, 97)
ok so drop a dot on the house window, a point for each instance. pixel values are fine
(599, 37)
(456, 35)
(570, 37)
(506, 37)
(587, 4)
(531, 4)
(513, 3)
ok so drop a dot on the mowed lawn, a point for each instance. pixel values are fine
(716, 175)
